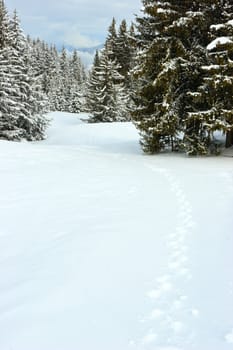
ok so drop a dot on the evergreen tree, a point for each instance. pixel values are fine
(4, 25)
(93, 85)
(123, 51)
(172, 39)
(108, 91)
(110, 43)
(124, 55)
(31, 101)
(107, 95)
(22, 103)
(77, 82)
(210, 107)
(8, 88)
(159, 60)
(66, 91)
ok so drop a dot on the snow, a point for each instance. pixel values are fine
(217, 26)
(102, 247)
(219, 41)
(229, 337)
(221, 25)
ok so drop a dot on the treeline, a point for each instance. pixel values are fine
(110, 85)
(34, 79)
(184, 74)
(171, 73)
(62, 76)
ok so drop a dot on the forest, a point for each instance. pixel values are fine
(170, 73)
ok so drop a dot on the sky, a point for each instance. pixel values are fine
(78, 23)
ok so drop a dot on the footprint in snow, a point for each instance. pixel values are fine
(170, 314)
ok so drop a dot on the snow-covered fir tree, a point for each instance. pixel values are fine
(8, 89)
(159, 58)
(110, 42)
(22, 102)
(108, 97)
(213, 100)
(92, 86)
(77, 83)
(106, 84)
(125, 55)
(68, 83)
(124, 50)
(173, 67)
(62, 76)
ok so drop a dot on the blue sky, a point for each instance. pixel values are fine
(80, 23)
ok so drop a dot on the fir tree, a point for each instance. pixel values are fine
(22, 103)
(172, 40)
(93, 85)
(30, 101)
(212, 101)
(108, 91)
(159, 59)
(107, 97)
(77, 83)
(110, 43)
(8, 88)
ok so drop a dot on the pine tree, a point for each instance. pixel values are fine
(66, 91)
(212, 101)
(8, 88)
(77, 82)
(172, 40)
(159, 59)
(124, 55)
(93, 85)
(220, 71)
(4, 25)
(107, 95)
(31, 101)
(122, 50)
(110, 43)
(22, 103)
(108, 91)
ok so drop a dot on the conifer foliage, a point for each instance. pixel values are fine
(67, 83)
(181, 74)
(108, 88)
(22, 101)
(34, 79)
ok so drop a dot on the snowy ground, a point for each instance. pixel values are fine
(103, 248)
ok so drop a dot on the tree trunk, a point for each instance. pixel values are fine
(229, 138)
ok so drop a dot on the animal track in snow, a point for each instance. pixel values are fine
(171, 308)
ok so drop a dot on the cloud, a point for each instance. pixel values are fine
(72, 36)
(79, 40)
(73, 22)
(87, 58)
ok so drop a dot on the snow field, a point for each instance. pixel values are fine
(102, 247)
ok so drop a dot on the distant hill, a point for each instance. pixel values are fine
(86, 53)
(91, 49)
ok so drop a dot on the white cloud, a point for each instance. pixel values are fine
(87, 58)
(72, 37)
(75, 22)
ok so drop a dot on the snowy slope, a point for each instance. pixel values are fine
(104, 248)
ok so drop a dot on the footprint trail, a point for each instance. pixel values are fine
(172, 313)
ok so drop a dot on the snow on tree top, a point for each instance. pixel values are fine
(217, 26)
(221, 25)
(219, 41)
(162, 10)
(182, 21)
